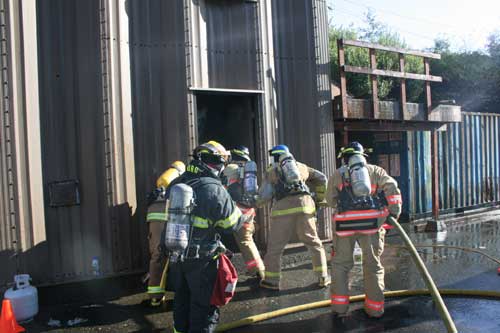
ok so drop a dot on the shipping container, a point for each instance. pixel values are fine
(469, 166)
(469, 169)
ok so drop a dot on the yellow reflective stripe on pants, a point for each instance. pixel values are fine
(319, 269)
(305, 210)
(273, 274)
(155, 290)
(200, 222)
(156, 216)
(176, 331)
(229, 221)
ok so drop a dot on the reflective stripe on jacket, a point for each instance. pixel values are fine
(358, 221)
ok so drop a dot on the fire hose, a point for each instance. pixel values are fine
(432, 290)
(358, 298)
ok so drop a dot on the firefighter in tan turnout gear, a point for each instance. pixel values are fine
(362, 196)
(293, 211)
(156, 217)
(240, 179)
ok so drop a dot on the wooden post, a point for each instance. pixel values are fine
(434, 147)
(345, 137)
(373, 65)
(343, 84)
(402, 87)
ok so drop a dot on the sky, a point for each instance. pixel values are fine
(466, 24)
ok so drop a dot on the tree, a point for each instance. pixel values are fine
(374, 31)
(471, 78)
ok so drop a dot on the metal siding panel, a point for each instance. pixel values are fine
(159, 101)
(487, 159)
(8, 234)
(477, 153)
(323, 96)
(468, 148)
(421, 173)
(458, 162)
(443, 163)
(428, 171)
(453, 166)
(302, 83)
(496, 150)
(232, 44)
(497, 156)
(70, 47)
(470, 151)
(463, 156)
(482, 154)
(296, 74)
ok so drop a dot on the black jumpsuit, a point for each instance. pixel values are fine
(194, 278)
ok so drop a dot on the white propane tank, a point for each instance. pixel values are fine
(289, 168)
(177, 231)
(360, 179)
(23, 297)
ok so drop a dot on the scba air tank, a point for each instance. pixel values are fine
(23, 297)
(250, 178)
(360, 179)
(177, 231)
(289, 168)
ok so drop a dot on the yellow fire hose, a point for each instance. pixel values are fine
(443, 311)
(320, 304)
(434, 292)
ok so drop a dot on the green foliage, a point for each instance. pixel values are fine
(359, 85)
(471, 78)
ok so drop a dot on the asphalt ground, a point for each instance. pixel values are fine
(120, 305)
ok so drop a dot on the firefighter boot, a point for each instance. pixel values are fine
(272, 285)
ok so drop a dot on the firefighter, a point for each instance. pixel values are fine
(240, 178)
(195, 266)
(362, 196)
(293, 211)
(156, 217)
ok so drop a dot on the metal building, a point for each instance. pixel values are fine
(99, 96)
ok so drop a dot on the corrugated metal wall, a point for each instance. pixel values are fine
(159, 99)
(114, 108)
(469, 165)
(303, 103)
(9, 232)
(295, 62)
(74, 136)
(231, 41)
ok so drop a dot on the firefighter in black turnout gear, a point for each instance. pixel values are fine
(196, 245)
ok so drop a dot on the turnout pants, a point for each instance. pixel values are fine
(195, 280)
(157, 260)
(373, 272)
(282, 229)
(249, 251)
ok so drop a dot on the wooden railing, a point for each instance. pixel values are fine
(375, 73)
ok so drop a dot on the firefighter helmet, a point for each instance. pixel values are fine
(277, 151)
(211, 152)
(240, 153)
(353, 148)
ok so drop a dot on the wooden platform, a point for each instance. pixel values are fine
(359, 116)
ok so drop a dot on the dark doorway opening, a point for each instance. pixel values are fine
(230, 119)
